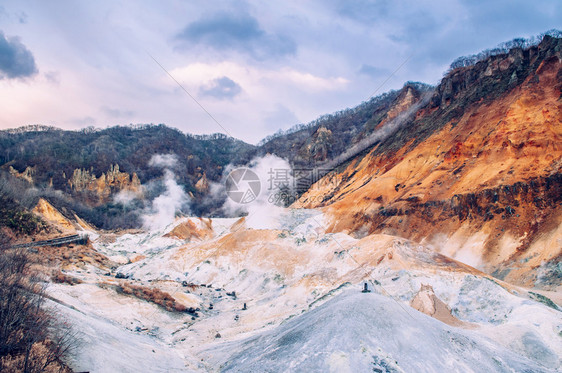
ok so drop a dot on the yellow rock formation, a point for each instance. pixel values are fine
(202, 184)
(27, 174)
(188, 230)
(112, 181)
(52, 215)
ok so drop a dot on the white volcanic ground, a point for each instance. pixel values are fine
(305, 311)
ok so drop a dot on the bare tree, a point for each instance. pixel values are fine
(32, 340)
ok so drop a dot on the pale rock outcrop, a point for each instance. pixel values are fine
(112, 181)
(52, 215)
(427, 302)
(26, 175)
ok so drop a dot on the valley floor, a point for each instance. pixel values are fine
(235, 295)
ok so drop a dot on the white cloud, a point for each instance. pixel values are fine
(256, 80)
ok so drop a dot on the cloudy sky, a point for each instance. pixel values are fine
(254, 66)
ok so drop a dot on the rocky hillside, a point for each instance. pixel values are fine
(331, 135)
(476, 172)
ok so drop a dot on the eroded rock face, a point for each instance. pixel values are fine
(505, 202)
(53, 216)
(26, 175)
(202, 184)
(476, 173)
(320, 144)
(112, 181)
(192, 229)
(427, 302)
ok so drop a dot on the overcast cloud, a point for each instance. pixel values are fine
(240, 32)
(255, 66)
(16, 61)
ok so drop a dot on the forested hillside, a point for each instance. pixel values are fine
(91, 165)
